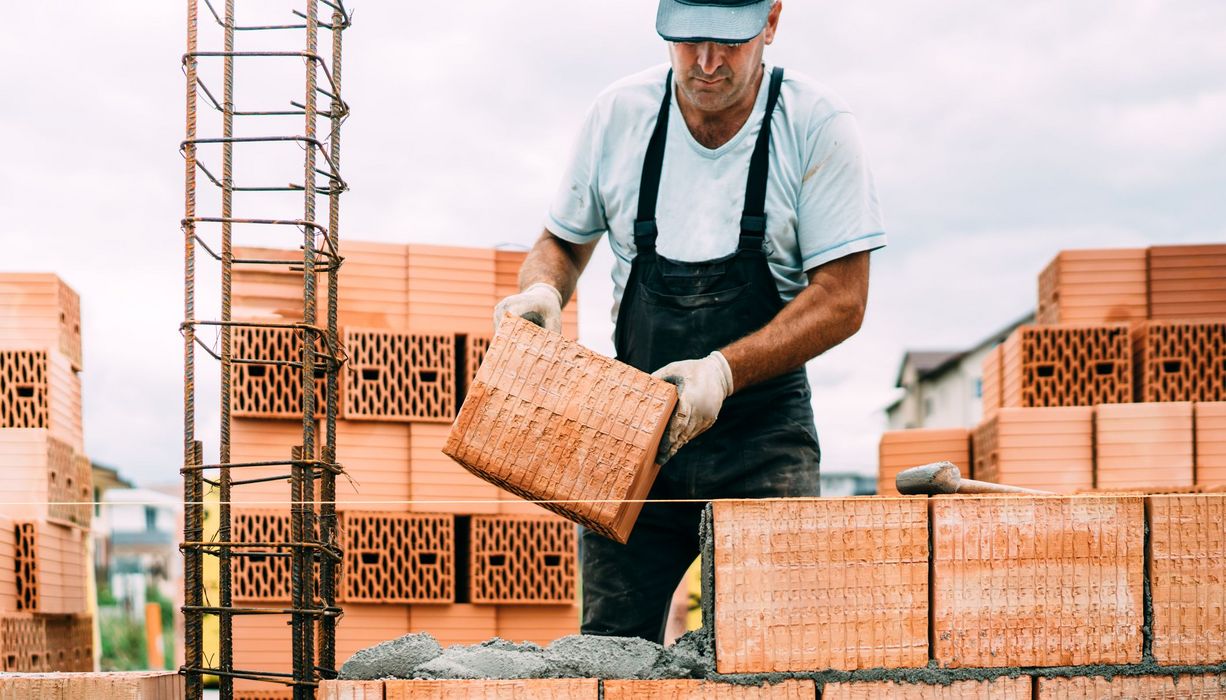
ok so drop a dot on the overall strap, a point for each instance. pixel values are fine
(645, 230)
(753, 219)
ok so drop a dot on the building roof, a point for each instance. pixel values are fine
(927, 362)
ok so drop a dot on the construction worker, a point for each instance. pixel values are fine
(741, 211)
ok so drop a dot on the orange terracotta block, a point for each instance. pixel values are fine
(23, 643)
(1050, 449)
(541, 689)
(1180, 360)
(903, 449)
(270, 391)
(8, 565)
(701, 690)
(470, 353)
(815, 584)
(1143, 444)
(438, 483)
(51, 568)
(1183, 687)
(137, 685)
(260, 573)
(42, 478)
(39, 389)
(1210, 419)
(350, 690)
(988, 554)
(1094, 286)
(365, 625)
(270, 293)
(38, 311)
(282, 694)
(550, 420)
(376, 458)
(1187, 565)
(455, 624)
(262, 644)
(541, 624)
(70, 643)
(523, 560)
(1187, 282)
(999, 689)
(1067, 365)
(450, 289)
(397, 376)
(397, 557)
(373, 285)
(992, 381)
(267, 441)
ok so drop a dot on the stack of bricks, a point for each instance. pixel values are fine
(46, 486)
(428, 546)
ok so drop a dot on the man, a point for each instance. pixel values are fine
(741, 212)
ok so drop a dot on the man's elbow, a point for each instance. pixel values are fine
(851, 316)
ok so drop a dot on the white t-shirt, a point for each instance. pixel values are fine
(821, 201)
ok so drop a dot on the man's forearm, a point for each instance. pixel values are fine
(556, 263)
(824, 314)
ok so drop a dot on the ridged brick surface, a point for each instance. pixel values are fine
(814, 584)
(264, 644)
(1037, 581)
(8, 565)
(24, 377)
(398, 557)
(399, 376)
(263, 573)
(999, 689)
(455, 624)
(70, 643)
(1180, 360)
(548, 689)
(374, 285)
(537, 623)
(550, 420)
(23, 643)
(1187, 571)
(438, 483)
(1185, 687)
(1050, 449)
(1094, 286)
(350, 690)
(284, 694)
(1187, 282)
(51, 568)
(253, 440)
(1210, 444)
(43, 477)
(700, 690)
(992, 381)
(903, 449)
(1140, 445)
(522, 560)
(376, 458)
(138, 685)
(269, 292)
(40, 311)
(450, 289)
(1079, 365)
(269, 390)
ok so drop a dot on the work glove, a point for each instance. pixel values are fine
(540, 303)
(702, 386)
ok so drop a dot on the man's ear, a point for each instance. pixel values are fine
(772, 22)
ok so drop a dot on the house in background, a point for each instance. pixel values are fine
(944, 388)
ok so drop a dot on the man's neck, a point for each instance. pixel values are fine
(714, 129)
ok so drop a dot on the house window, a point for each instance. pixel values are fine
(927, 407)
(979, 388)
(151, 519)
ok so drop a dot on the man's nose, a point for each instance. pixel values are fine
(710, 57)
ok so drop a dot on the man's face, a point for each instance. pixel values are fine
(712, 76)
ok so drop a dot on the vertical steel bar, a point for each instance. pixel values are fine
(226, 622)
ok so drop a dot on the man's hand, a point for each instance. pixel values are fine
(702, 386)
(540, 303)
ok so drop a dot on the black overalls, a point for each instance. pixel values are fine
(763, 444)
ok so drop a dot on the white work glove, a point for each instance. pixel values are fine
(702, 386)
(539, 303)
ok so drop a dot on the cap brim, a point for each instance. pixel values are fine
(678, 20)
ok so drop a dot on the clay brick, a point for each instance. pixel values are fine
(474, 349)
(815, 584)
(261, 574)
(550, 420)
(269, 292)
(8, 565)
(38, 311)
(1142, 445)
(373, 285)
(270, 390)
(1187, 282)
(376, 458)
(1210, 419)
(268, 441)
(522, 560)
(1187, 565)
(1094, 286)
(1082, 365)
(283, 694)
(992, 381)
(541, 624)
(1037, 581)
(700, 690)
(139, 685)
(51, 568)
(1182, 687)
(438, 483)
(450, 289)
(396, 376)
(455, 624)
(398, 557)
(23, 643)
(365, 625)
(999, 689)
(23, 397)
(43, 478)
(350, 690)
(70, 643)
(903, 449)
(1050, 449)
(1180, 360)
(262, 644)
(545, 689)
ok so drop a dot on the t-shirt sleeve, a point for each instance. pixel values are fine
(838, 212)
(577, 214)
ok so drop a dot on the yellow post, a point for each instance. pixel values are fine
(153, 636)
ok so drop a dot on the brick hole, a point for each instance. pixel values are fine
(427, 558)
(259, 371)
(553, 560)
(1045, 370)
(428, 376)
(497, 560)
(463, 546)
(1172, 366)
(370, 375)
(24, 391)
(1104, 368)
(370, 558)
(320, 372)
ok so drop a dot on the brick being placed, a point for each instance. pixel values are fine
(1037, 581)
(536, 689)
(363, 625)
(1180, 360)
(903, 449)
(1049, 449)
(267, 292)
(1005, 688)
(23, 643)
(270, 391)
(51, 568)
(794, 689)
(39, 389)
(38, 311)
(1187, 282)
(43, 478)
(70, 643)
(506, 282)
(438, 483)
(461, 623)
(130, 685)
(1067, 365)
(549, 420)
(398, 376)
(817, 584)
(523, 560)
(254, 441)
(1141, 445)
(376, 458)
(1094, 286)
(374, 284)
(397, 557)
(1210, 421)
(450, 289)
(1187, 574)
(1181, 687)
(541, 624)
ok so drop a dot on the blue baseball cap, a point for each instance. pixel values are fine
(723, 21)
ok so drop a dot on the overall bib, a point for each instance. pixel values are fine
(763, 444)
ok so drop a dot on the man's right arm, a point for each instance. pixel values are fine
(547, 281)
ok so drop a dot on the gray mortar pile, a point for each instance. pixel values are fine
(419, 656)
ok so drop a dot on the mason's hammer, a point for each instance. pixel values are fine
(944, 477)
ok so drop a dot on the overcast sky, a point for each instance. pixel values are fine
(999, 133)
